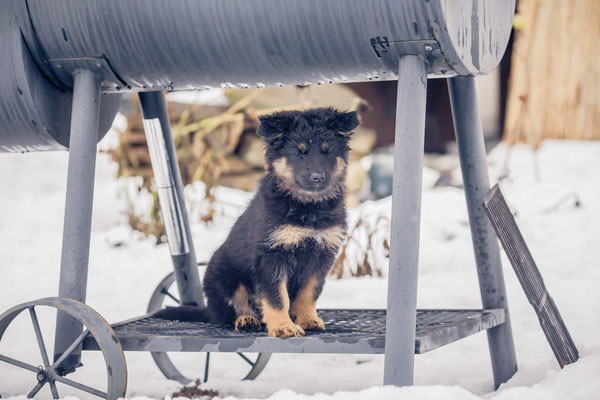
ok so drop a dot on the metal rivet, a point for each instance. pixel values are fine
(428, 47)
(98, 65)
(58, 66)
(41, 375)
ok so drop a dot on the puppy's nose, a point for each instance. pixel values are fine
(316, 177)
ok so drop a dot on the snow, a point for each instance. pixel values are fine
(210, 97)
(563, 239)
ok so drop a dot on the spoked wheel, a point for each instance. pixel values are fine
(49, 373)
(166, 294)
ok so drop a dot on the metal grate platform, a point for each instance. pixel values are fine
(348, 331)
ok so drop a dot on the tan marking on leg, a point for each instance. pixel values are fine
(242, 301)
(283, 170)
(305, 307)
(278, 321)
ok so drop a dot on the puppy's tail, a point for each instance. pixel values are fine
(183, 313)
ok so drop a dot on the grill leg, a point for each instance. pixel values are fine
(471, 148)
(406, 216)
(78, 210)
(170, 194)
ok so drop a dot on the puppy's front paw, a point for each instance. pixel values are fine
(245, 323)
(312, 323)
(285, 330)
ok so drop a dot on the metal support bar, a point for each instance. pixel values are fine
(406, 218)
(168, 183)
(78, 209)
(471, 148)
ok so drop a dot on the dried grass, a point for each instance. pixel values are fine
(365, 249)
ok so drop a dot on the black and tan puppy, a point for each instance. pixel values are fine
(272, 267)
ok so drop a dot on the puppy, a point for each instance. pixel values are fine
(272, 266)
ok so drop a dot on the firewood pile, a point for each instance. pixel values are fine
(210, 142)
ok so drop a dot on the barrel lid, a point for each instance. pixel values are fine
(473, 34)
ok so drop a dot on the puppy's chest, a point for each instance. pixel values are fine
(308, 228)
(290, 236)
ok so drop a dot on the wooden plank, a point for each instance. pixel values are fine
(529, 276)
(554, 90)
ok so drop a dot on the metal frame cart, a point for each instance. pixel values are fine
(65, 64)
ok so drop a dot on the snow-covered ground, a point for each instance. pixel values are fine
(565, 242)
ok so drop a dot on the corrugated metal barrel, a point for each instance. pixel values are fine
(142, 45)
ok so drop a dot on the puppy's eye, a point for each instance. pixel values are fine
(325, 148)
(302, 150)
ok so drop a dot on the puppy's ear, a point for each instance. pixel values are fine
(343, 122)
(275, 125)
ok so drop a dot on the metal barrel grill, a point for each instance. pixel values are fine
(65, 63)
(147, 45)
